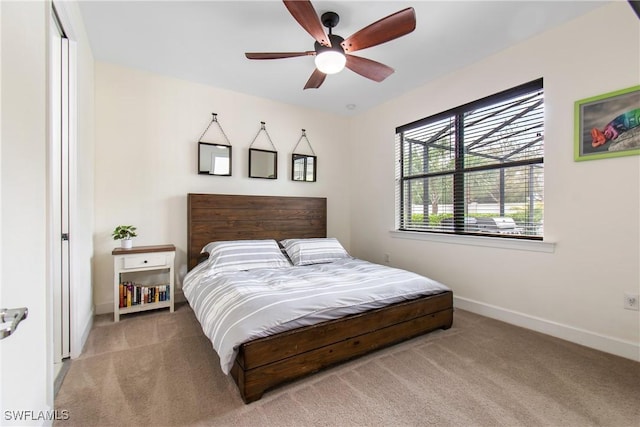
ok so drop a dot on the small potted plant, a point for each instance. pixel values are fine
(124, 233)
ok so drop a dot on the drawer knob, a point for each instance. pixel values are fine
(145, 261)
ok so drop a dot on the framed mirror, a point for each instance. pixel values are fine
(214, 159)
(263, 164)
(303, 167)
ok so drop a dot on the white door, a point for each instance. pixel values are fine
(26, 384)
(59, 99)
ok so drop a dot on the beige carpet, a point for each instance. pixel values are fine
(158, 369)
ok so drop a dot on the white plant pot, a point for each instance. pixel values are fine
(126, 243)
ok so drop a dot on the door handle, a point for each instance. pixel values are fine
(10, 318)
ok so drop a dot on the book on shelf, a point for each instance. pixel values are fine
(132, 294)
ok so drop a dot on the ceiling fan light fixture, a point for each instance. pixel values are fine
(330, 61)
(331, 50)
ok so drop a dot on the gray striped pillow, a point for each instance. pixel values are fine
(236, 255)
(314, 251)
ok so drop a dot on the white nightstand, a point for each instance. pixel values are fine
(145, 275)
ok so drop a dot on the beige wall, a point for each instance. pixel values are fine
(591, 208)
(147, 128)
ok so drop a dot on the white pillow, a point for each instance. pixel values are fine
(236, 255)
(314, 251)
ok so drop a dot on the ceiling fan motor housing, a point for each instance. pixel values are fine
(335, 45)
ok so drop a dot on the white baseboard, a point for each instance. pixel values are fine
(104, 308)
(626, 349)
(76, 350)
(622, 348)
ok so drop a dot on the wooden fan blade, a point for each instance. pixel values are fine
(367, 68)
(386, 29)
(305, 14)
(316, 79)
(277, 55)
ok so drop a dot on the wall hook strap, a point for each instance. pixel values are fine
(263, 128)
(214, 119)
(304, 136)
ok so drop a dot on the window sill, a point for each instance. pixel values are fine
(491, 242)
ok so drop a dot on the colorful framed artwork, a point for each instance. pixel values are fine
(608, 125)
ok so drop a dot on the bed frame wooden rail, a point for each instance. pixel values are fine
(266, 362)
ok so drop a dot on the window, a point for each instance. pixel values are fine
(475, 169)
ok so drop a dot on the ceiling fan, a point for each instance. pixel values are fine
(332, 52)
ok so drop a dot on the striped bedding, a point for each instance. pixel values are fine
(234, 307)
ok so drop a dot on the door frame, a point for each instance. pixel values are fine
(54, 237)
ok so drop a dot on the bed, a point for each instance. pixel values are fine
(265, 362)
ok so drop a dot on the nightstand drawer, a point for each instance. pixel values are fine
(149, 260)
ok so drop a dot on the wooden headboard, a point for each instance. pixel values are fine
(214, 217)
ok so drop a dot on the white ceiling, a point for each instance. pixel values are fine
(205, 41)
